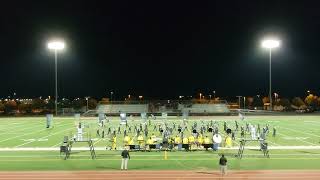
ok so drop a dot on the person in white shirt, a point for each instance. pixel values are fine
(241, 117)
(253, 133)
(80, 132)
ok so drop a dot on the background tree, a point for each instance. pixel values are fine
(92, 103)
(312, 101)
(65, 103)
(24, 108)
(249, 101)
(10, 106)
(38, 104)
(297, 102)
(285, 103)
(105, 101)
(78, 103)
(257, 102)
(2, 107)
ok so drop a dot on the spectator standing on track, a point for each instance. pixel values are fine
(223, 165)
(125, 156)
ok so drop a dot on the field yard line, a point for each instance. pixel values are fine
(311, 121)
(25, 134)
(273, 142)
(21, 125)
(56, 145)
(44, 137)
(15, 128)
(300, 132)
(298, 139)
(309, 127)
(6, 125)
(97, 141)
(32, 128)
(24, 129)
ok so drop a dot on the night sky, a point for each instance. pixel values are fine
(159, 49)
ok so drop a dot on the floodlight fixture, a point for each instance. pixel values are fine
(270, 43)
(56, 45)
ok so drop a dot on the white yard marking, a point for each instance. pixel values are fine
(17, 128)
(33, 132)
(295, 138)
(298, 139)
(59, 143)
(272, 142)
(44, 137)
(300, 131)
(28, 140)
(97, 141)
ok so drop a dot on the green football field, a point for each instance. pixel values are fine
(26, 144)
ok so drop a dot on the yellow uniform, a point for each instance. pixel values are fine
(131, 142)
(114, 143)
(126, 140)
(140, 140)
(191, 139)
(228, 142)
(150, 141)
(177, 140)
(185, 141)
(200, 139)
(153, 137)
(206, 140)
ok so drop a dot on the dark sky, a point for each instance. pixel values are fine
(159, 49)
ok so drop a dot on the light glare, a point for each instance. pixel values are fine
(56, 45)
(270, 43)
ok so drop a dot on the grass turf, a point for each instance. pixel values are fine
(31, 132)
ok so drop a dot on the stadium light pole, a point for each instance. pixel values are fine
(56, 46)
(87, 99)
(239, 100)
(111, 93)
(270, 44)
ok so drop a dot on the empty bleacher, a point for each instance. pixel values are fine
(126, 108)
(205, 108)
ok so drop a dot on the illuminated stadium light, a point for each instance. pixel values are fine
(56, 45)
(270, 43)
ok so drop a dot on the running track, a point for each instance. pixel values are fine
(159, 175)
